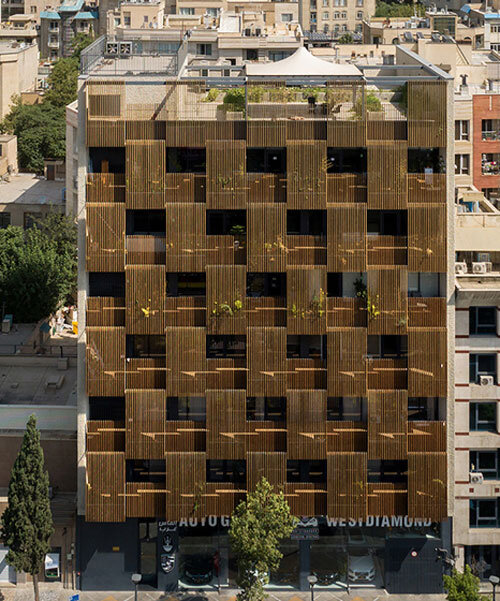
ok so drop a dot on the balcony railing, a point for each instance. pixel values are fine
(490, 135)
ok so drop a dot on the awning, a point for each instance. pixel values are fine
(465, 9)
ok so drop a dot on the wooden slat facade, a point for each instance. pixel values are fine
(155, 387)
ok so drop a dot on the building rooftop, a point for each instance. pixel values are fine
(26, 188)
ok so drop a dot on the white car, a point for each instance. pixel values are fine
(361, 568)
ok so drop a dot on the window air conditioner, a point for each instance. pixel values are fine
(112, 48)
(486, 380)
(461, 268)
(476, 478)
(482, 267)
(125, 48)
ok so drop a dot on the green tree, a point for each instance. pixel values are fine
(37, 267)
(346, 38)
(462, 586)
(27, 521)
(257, 527)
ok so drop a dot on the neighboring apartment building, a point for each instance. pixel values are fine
(335, 17)
(476, 532)
(18, 72)
(58, 27)
(224, 340)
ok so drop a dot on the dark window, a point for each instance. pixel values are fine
(193, 408)
(483, 513)
(346, 409)
(31, 219)
(307, 223)
(107, 407)
(146, 222)
(423, 409)
(251, 55)
(262, 408)
(387, 223)
(385, 470)
(4, 220)
(334, 284)
(482, 320)
(346, 160)
(306, 347)
(482, 417)
(146, 470)
(387, 346)
(107, 284)
(145, 346)
(227, 470)
(225, 223)
(186, 284)
(266, 284)
(226, 346)
(420, 160)
(186, 160)
(305, 470)
(486, 462)
(266, 160)
(107, 160)
(482, 365)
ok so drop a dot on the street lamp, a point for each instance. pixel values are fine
(312, 579)
(136, 578)
(494, 581)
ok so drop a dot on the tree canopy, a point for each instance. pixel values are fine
(462, 586)
(398, 9)
(27, 520)
(37, 267)
(257, 527)
(41, 128)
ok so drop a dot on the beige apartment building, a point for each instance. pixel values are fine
(18, 72)
(335, 17)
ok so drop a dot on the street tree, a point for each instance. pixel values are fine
(462, 586)
(258, 525)
(27, 521)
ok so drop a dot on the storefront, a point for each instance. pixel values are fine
(390, 553)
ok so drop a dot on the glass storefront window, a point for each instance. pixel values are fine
(288, 572)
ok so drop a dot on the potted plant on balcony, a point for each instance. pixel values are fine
(239, 233)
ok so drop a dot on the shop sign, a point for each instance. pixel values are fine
(305, 534)
(211, 520)
(384, 521)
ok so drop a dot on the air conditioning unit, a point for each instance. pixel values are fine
(483, 257)
(486, 380)
(125, 48)
(476, 478)
(461, 268)
(482, 267)
(112, 48)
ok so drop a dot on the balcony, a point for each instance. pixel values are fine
(226, 250)
(53, 43)
(490, 163)
(387, 250)
(145, 250)
(490, 130)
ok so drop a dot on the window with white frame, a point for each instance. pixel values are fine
(286, 17)
(462, 129)
(462, 164)
(359, 15)
(186, 11)
(204, 49)
(344, 15)
(326, 16)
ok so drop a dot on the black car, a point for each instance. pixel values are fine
(198, 569)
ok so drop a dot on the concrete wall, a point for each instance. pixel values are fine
(14, 417)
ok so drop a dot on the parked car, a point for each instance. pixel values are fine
(198, 569)
(361, 568)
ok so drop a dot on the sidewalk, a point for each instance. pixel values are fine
(59, 594)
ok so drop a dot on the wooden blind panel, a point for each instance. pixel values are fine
(145, 299)
(271, 466)
(346, 436)
(185, 435)
(226, 290)
(186, 243)
(145, 414)
(105, 99)
(306, 298)
(427, 102)
(145, 174)
(386, 498)
(186, 361)
(388, 291)
(105, 435)
(306, 418)
(267, 238)
(226, 424)
(427, 488)
(105, 311)
(425, 437)
(146, 373)
(145, 499)
(306, 498)
(105, 237)
(186, 485)
(427, 367)
(266, 134)
(346, 362)
(306, 174)
(387, 419)
(347, 487)
(427, 238)
(105, 133)
(266, 361)
(346, 250)
(387, 169)
(226, 174)
(426, 312)
(105, 359)
(105, 491)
